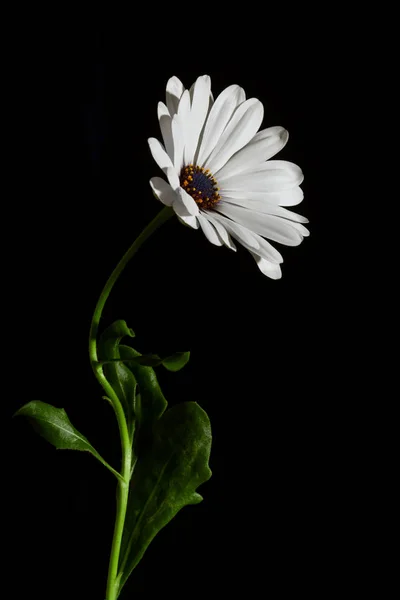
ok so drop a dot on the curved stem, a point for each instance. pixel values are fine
(163, 216)
(126, 446)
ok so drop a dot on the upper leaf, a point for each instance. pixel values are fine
(151, 403)
(176, 361)
(173, 362)
(119, 376)
(165, 479)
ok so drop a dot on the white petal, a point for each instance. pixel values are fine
(198, 113)
(258, 245)
(175, 90)
(219, 117)
(187, 206)
(267, 268)
(287, 197)
(262, 147)
(222, 232)
(159, 154)
(267, 250)
(240, 130)
(270, 141)
(274, 228)
(184, 105)
(181, 128)
(179, 143)
(164, 119)
(240, 233)
(192, 222)
(172, 178)
(211, 98)
(271, 176)
(264, 249)
(162, 190)
(300, 228)
(284, 198)
(263, 206)
(201, 136)
(209, 231)
(273, 165)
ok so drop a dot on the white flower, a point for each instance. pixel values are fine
(219, 173)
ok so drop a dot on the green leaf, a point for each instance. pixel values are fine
(53, 424)
(150, 404)
(119, 376)
(165, 479)
(174, 362)
(148, 360)
(177, 361)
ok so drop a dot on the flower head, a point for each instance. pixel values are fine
(220, 176)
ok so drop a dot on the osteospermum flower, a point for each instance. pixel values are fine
(220, 176)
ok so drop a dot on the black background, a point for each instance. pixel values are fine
(263, 361)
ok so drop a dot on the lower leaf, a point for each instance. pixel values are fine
(165, 479)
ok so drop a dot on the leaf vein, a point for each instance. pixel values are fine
(139, 520)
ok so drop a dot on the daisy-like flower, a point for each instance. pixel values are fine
(219, 174)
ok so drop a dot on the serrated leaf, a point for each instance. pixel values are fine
(165, 479)
(54, 425)
(176, 361)
(119, 376)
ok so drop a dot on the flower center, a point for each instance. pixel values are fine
(201, 185)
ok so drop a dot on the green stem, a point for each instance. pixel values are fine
(163, 216)
(126, 446)
(122, 489)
